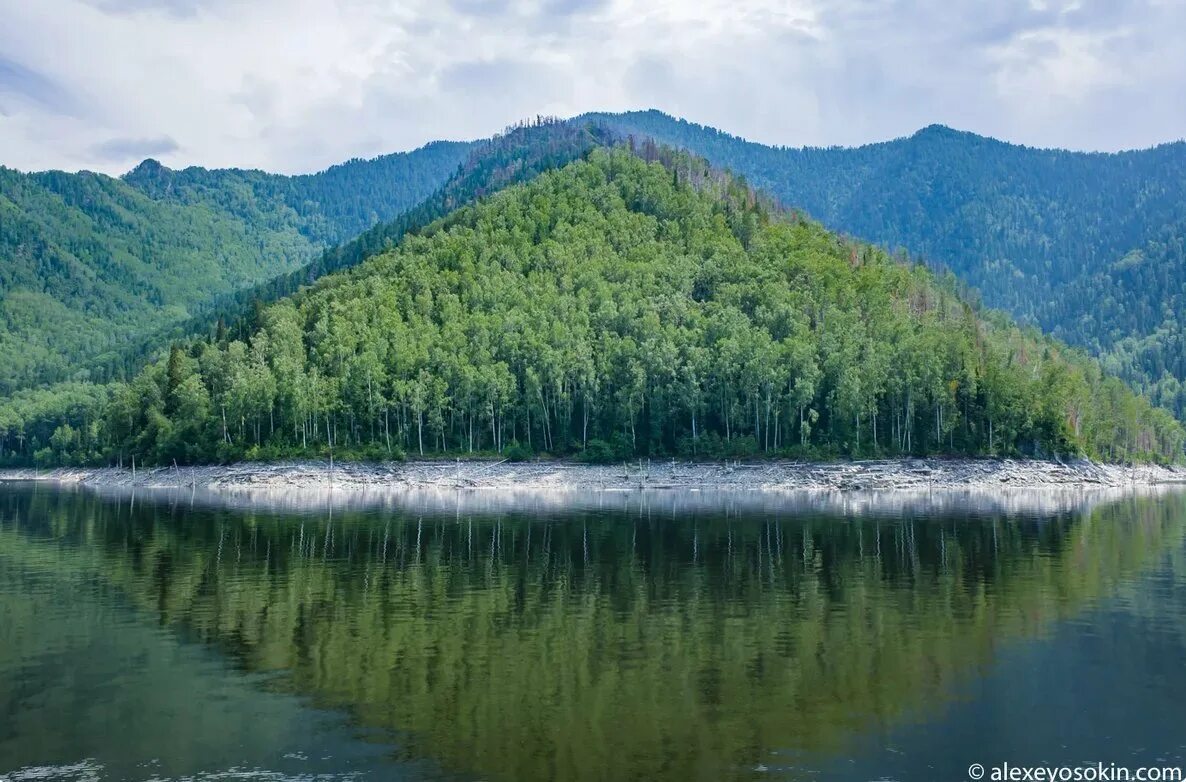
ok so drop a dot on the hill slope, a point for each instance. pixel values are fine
(1086, 246)
(517, 155)
(90, 262)
(615, 307)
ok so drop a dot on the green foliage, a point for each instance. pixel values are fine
(517, 452)
(90, 264)
(598, 451)
(658, 307)
(326, 209)
(517, 155)
(59, 425)
(1088, 247)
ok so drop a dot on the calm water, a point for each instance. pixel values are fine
(642, 638)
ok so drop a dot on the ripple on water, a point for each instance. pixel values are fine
(91, 771)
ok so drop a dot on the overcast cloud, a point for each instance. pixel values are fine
(296, 85)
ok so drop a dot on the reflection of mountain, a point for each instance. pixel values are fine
(600, 645)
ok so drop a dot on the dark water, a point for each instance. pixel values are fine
(648, 638)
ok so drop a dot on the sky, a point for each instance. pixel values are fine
(297, 85)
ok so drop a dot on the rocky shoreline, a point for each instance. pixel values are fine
(780, 476)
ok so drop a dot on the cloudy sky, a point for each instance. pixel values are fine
(295, 85)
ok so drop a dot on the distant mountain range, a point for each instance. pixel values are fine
(1087, 247)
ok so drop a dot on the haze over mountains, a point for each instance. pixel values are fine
(1087, 247)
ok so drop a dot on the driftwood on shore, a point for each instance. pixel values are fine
(883, 475)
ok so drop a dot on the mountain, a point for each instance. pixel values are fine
(631, 303)
(91, 263)
(1086, 246)
(518, 154)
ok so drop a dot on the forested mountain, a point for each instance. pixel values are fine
(98, 272)
(518, 154)
(634, 302)
(1088, 247)
(91, 263)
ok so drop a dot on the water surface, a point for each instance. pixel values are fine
(610, 638)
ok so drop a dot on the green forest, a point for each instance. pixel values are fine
(93, 264)
(520, 153)
(632, 303)
(1088, 247)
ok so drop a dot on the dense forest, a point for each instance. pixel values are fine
(635, 302)
(518, 154)
(91, 263)
(1088, 247)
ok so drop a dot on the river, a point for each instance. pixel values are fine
(625, 637)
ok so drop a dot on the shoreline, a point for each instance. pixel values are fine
(667, 475)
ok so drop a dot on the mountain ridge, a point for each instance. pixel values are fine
(933, 128)
(94, 262)
(1035, 231)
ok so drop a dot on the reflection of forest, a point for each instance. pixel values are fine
(599, 646)
(90, 691)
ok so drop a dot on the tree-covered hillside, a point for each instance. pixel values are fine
(1088, 247)
(90, 263)
(631, 303)
(518, 154)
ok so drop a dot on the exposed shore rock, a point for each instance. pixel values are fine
(884, 475)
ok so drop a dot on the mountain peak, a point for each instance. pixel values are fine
(151, 177)
(937, 130)
(148, 167)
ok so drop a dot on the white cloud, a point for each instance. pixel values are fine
(295, 85)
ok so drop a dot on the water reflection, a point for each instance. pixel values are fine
(621, 638)
(979, 502)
